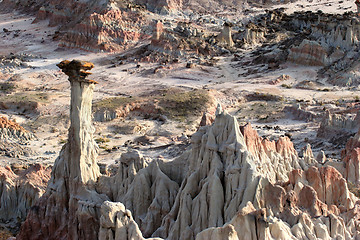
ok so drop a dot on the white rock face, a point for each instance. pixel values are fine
(253, 35)
(70, 206)
(146, 190)
(336, 124)
(223, 176)
(117, 223)
(225, 36)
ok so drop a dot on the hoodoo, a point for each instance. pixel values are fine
(69, 207)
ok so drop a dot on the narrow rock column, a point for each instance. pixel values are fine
(70, 207)
(83, 149)
(225, 35)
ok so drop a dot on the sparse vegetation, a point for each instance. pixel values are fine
(102, 140)
(180, 106)
(24, 101)
(174, 103)
(7, 87)
(257, 96)
(263, 111)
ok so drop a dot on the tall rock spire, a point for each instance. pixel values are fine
(83, 149)
(70, 207)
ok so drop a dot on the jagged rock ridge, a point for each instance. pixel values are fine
(231, 177)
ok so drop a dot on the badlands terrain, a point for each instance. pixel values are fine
(179, 120)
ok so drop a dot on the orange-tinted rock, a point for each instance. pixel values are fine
(308, 199)
(259, 146)
(41, 15)
(329, 185)
(5, 123)
(285, 147)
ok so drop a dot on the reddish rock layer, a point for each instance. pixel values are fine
(111, 30)
(6, 123)
(258, 145)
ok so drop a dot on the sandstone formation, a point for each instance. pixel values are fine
(19, 192)
(116, 222)
(111, 30)
(232, 184)
(253, 35)
(329, 41)
(221, 161)
(70, 206)
(89, 25)
(350, 155)
(314, 204)
(334, 124)
(149, 192)
(309, 53)
(299, 112)
(225, 36)
(13, 139)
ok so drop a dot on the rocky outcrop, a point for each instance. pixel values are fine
(225, 167)
(163, 7)
(309, 53)
(278, 157)
(116, 222)
(19, 192)
(225, 36)
(299, 112)
(253, 35)
(334, 124)
(13, 139)
(314, 203)
(329, 41)
(232, 185)
(89, 25)
(12, 130)
(351, 157)
(149, 191)
(70, 207)
(110, 30)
